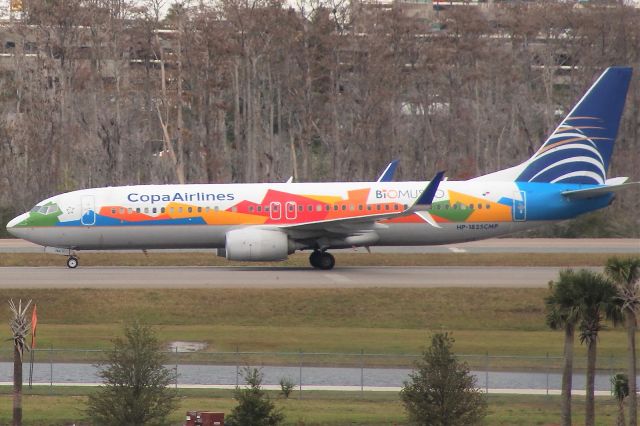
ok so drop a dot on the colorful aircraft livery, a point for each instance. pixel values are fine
(267, 222)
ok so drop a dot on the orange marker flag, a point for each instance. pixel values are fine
(34, 325)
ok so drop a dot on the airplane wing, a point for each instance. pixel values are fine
(577, 194)
(387, 174)
(368, 221)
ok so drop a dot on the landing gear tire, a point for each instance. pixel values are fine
(313, 258)
(322, 260)
(72, 262)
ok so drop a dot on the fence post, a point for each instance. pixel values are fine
(486, 373)
(237, 364)
(300, 376)
(548, 367)
(361, 372)
(176, 366)
(51, 366)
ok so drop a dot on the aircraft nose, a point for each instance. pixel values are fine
(15, 221)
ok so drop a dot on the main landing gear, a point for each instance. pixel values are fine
(322, 260)
(72, 262)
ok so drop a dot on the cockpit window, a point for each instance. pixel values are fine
(45, 209)
(52, 209)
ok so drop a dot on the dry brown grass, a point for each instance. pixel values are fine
(301, 259)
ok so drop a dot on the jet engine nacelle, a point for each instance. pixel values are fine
(250, 244)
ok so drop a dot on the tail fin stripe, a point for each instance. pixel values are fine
(563, 155)
(595, 163)
(579, 177)
(555, 174)
(566, 151)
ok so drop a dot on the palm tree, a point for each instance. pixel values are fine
(625, 272)
(19, 330)
(563, 313)
(620, 383)
(597, 298)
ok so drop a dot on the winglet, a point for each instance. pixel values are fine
(387, 174)
(426, 198)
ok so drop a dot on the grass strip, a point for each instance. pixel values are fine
(377, 320)
(301, 259)
(60, 405)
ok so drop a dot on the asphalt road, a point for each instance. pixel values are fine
(496, 245)
(274, 277)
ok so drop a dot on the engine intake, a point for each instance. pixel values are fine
(250, 244)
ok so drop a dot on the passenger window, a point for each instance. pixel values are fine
(335, 207)
(470, 206)
(386, 206)
(359, 206)
(290, 207)
(479, 205)
(129, 210)
(266, 208)
(377, 206)
(216, 208)
(395, 207)
(179, 209)
(146, 209)
(234, 209)
(310, 208)
(113, 211)
(368, 208)
(190, 209)
(199, 209)
(344, 207)
(446, 206)
(250, 209)
(327, 207)
(154, 210)
(206, 209)
(121, 210)
(406, 206)
(351, 207)
(259, 209)
(455, 206)
(300, 208)
(138, 210)
(162, 210)
(488, 206)
(319, 208)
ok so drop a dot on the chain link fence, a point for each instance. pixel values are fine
(313, 371)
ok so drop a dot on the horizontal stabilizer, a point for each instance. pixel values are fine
(597, 191)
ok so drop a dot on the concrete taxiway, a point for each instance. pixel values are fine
(496, 245)
(275, 277)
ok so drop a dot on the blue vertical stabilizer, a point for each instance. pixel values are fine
(580, 148)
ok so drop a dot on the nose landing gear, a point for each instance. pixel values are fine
(72, 262)
(322, 260)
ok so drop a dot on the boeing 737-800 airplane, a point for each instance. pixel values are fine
(267, 222)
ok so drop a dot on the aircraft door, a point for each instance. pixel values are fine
(88, 211)
(275, 211)
(291, 210)
(520, 206)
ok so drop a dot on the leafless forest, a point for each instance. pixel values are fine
(109, 92)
